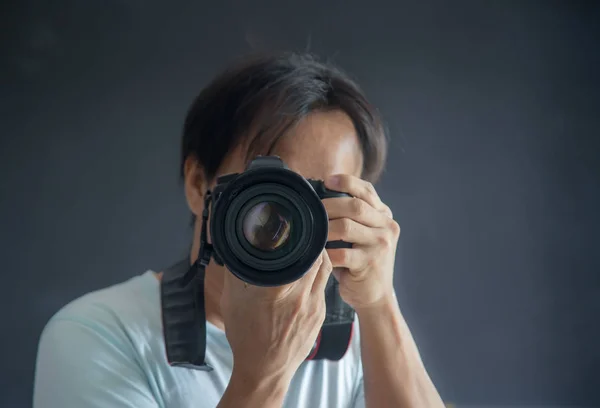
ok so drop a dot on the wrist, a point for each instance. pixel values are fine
(387, 304)
(258, 391)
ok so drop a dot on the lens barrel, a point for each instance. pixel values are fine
(268, 225)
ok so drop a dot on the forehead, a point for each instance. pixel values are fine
(322, 144)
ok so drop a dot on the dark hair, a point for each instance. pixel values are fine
(256, 101)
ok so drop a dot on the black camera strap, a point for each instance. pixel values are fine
(183, 315)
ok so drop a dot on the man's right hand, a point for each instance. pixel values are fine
(271, 331)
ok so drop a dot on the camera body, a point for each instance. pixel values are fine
(285, 207)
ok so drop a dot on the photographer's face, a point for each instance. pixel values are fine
(321, 145)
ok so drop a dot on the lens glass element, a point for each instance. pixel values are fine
(267, 225)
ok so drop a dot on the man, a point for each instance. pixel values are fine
(107, 349)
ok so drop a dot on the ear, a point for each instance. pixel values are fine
(195, 185)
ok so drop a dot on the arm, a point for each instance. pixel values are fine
(393, 373)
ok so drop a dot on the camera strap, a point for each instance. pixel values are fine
(183, 315)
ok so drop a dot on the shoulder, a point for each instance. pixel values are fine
(122, 314)
(132, 306)
(92, 347)
(128, 311)
(135, 297)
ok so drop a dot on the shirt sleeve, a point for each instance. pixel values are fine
(80, 365)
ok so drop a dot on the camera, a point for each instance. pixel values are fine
(268, 224)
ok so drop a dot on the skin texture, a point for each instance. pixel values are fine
(322, 146)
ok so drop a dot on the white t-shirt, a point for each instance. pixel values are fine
(106, 349)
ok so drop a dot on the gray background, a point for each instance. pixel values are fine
(493, 108)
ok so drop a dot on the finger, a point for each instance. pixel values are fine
(358, 188)
(348, 230)
(322, 277)
(307, 281)
(357, 210)
(354, 259)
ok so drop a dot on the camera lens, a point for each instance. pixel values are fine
(267, 226)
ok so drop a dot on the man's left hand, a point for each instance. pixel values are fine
(366, 222)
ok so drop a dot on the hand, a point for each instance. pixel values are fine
(367, 223)
(272, 330)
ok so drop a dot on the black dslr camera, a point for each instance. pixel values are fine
(268, 227)
(268, 224)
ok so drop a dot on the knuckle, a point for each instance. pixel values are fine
(358, 207)
(385, 249)
(346, 227)
(395, 228)
(384, 241)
